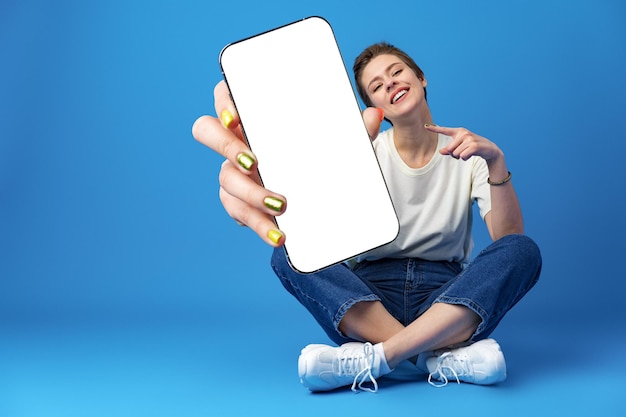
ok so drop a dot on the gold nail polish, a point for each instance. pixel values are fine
(274, 235)
(273, 203)
(227, 118)
(245, 160)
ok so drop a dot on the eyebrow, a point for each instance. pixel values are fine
(386, 70)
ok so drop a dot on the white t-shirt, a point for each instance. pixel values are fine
(433, 203)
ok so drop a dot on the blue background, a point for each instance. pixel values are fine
(125, 289)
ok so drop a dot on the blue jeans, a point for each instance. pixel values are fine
(490, 285)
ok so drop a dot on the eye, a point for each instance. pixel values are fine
(376, 88)
(397, 72)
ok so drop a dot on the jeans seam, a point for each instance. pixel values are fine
(407, 286)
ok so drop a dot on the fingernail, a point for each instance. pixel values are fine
(273, 203)
(245, 160)
(426, 124)
(227, 118)
(274, 235)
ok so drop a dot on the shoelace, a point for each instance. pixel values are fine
(449, 362)
(351, 363)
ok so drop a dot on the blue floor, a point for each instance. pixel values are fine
(200, 366)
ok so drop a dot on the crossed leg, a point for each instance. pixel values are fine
(440, 326)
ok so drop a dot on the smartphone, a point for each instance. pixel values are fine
(301, 118)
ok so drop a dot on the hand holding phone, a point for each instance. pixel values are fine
(300, 117)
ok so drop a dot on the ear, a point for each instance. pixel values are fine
(424, 82)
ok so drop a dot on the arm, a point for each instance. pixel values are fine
(505, 216)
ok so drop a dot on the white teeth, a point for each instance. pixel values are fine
(397, 96)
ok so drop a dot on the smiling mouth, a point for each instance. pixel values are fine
(399, 95)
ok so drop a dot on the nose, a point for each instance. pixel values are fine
(390, 83)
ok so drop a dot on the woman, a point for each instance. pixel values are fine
(419, 303)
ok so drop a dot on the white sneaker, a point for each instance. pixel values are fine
(479, 363)
(324, 368)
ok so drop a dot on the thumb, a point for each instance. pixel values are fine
(373, 117)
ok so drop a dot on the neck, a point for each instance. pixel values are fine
(414, 143)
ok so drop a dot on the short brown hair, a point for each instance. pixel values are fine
(372, 52)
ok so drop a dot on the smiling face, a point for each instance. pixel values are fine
(392, 85)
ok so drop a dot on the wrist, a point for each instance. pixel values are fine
(500, 182)
(497, 167)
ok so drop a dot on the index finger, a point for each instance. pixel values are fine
(224, 136)
(448, 131)
(224, 107)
